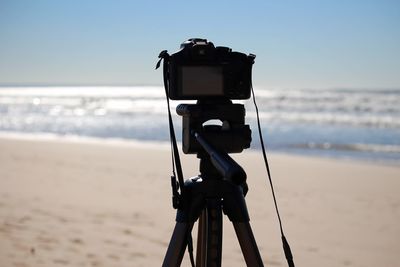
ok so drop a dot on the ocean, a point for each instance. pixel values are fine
(340, 123)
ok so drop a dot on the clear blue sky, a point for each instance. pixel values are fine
(309, 43)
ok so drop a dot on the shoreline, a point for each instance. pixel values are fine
(165, 145)
(97, 204)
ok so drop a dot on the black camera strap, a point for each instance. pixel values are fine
(176, 162)
(177, 199)
(285, 243)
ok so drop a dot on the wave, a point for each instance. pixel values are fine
(84, 91)
(367, 108)
(374, 148)
(365, 120)
(332, 100)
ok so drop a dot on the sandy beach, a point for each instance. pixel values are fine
(65, 203)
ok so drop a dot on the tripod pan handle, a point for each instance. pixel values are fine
(225, 165)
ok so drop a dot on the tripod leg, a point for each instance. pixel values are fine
(236, 209)
(214, 232)
(202, 240)
(209, 244)
(177, 245)
(248, 244)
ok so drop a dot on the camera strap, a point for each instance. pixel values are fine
(177, 199)
(176, 162)
(285, 243)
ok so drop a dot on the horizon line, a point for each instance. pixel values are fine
(161, 85)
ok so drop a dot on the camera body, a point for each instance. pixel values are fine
(202, 71)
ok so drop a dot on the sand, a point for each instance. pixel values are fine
(68, 203)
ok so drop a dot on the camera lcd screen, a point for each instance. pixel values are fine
(202, 81)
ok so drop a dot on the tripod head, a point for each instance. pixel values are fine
(231, 137)
(212, 143)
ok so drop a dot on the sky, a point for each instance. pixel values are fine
(299, 44)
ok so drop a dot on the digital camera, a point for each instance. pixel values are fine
(202, 71)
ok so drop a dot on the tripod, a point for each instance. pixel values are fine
(207, 196)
